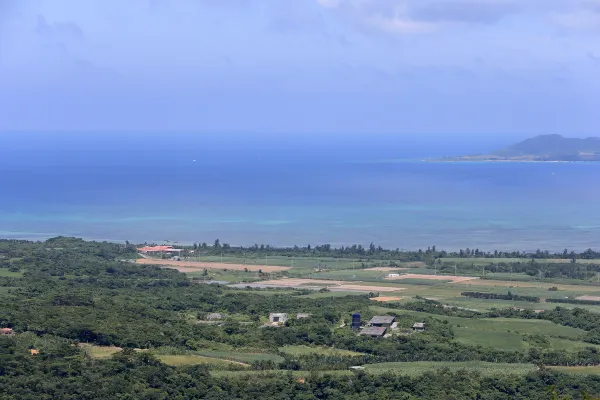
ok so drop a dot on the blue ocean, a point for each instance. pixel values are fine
(288, 190)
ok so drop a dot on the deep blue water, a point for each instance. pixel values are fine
(251, 189)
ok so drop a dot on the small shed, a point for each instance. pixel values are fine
(278, 318)
(419, 326)
(373, 331)
(382, 320)
(393, 275)
(214, 316)
(302, 315)
(7, 332)
(34, 352)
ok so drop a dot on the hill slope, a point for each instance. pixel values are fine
(543, 148)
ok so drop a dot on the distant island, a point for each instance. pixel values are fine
(549, 148)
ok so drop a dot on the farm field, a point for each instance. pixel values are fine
(239, 356)
(488, 261)
(176, 360)
(522, 326)
(4, 272)
(328, 351)
(193, 266)
(584, 370)
(330, 284)
(451, 278)
(208, 357)
(406, 368)
(100, 351)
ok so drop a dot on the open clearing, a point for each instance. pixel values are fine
(328, 351)
(100, 351)
(385, 269)
(451, 278)
(330, 285)
(405, 368)
(586, 370)
(193, 359)
(586, 297)
(193, 266)
(386, 298)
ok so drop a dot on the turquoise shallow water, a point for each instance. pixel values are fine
(246, 193)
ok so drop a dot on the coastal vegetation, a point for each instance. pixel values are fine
(104, 327)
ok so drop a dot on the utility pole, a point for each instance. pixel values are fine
(454, 269)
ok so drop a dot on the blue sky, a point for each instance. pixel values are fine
(402, 67)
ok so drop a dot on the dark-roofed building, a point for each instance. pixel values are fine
(373, 331)
(419, 326)
(379, 321)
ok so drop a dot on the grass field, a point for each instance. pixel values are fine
(488, 261)
(100, 351)
(406, 368)
(327, 351)
(485, 368)
(241, 357)
(208, 357)
(176, 360)
(4, 272)
(591, 370)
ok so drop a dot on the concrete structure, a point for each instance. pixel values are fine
(7, 332)
(393, 275)
(419, 327)
(373, 331)
(278, 318)
(302, 315)
(382, 321)
(214, 316)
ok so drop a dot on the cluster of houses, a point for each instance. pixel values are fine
(379, 325)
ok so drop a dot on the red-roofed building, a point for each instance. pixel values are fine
(7, 332)
(157, 249)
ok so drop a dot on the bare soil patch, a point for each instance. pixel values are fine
(453, 279)
(331, 285)
(194, 266)
(386, 298)
(587, 297)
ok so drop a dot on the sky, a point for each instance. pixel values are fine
(475, 68)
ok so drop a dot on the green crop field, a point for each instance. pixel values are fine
(488, 261)
(100, 351)
(418, 368)
(241, 357)
(194, 359)
(4, 272)
(585, 370)
(302, 350)
(405, 368)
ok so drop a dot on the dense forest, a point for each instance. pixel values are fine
(67, 292)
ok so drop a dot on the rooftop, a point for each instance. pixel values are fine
(419, 325)
(158, 248)
(379, 319)
(373, 331)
